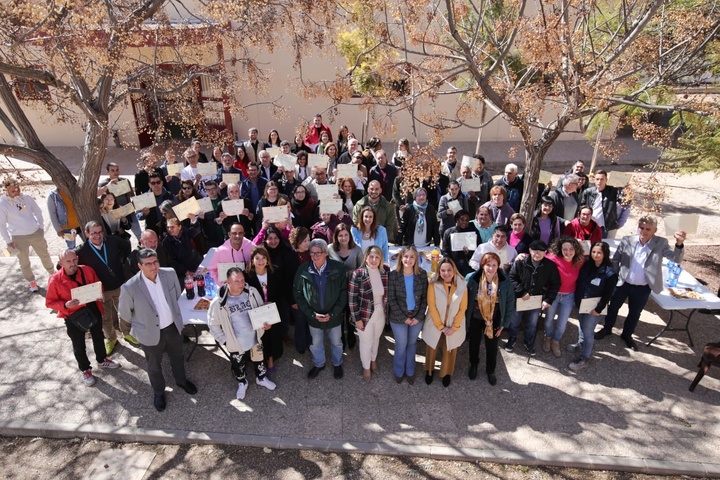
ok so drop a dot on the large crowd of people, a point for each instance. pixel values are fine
(331, 273)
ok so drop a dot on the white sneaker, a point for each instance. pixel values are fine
(266, 382)
(109, 364)
(88, 378)
(242, 388)
(578, 365)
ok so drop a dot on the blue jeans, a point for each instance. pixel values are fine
(562, 306)
(586, 333)
(318, 345)
(531, 319)
(406, 338)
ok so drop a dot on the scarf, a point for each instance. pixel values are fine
(420, 209)
(487, 298)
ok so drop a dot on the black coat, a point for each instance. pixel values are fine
(406, 234)
(543, 280)
(115, 250)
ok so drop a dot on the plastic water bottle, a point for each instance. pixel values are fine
(673, 270)
(209, 285)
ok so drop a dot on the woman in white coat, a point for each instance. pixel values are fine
(445, 321)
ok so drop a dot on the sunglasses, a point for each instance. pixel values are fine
(155, 183)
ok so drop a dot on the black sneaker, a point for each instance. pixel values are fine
(472, 373)
(510, 344)
(602, 334)
(338, 372)
(315, 371)
(530, 347)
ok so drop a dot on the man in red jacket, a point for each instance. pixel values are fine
(59, 297)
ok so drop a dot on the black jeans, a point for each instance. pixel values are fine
(77, 337)
(476, 333)
(237, 366)
(637, 297)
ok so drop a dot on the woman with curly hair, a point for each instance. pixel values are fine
(568, 256)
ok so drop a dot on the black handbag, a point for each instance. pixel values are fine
(86, 317)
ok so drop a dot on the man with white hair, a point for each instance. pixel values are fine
(513, 185)
(565, 201)
(346, 157)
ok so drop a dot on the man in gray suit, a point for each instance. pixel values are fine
(148, 302)
(638, 260)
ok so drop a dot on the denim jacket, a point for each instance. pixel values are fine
(57, 210)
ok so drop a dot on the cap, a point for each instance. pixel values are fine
(538, 245)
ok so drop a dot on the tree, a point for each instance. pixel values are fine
(83, 60)
(568, 64)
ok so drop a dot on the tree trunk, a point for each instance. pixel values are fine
(84, 193)
(534, 156)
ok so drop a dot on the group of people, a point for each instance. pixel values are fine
(329, 274)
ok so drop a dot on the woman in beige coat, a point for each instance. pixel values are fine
(445, 321)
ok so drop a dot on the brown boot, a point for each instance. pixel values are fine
(555, 347)
(546, 344)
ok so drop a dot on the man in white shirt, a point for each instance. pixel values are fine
(149, 304)
(21, 227)
(191, 171)
(638, 261)
(497, 244)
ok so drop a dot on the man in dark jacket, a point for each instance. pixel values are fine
(532, 276)
(152, 216)
(460, 257)
(320, 290)
(513, 185)
(603, 199)
(106, 256)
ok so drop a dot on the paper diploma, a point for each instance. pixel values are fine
(545, 177)
(346, 170)
(468, 161)
(207, 169)
(285, 161)
(233, 207)
(120, 188)
(587, 305)
(586, 246)
(206, 204)
(174, 168)
(122, 212)
(264, 314)
(465, 239)
(224, 267)
(454, 206)
(532, 303)
(326, 192)
(231, 178)
(619, 179)
(87, 293)
(331, 206)
(470, 184)
(686, 223)
(317, 160)
(273, 151)
(146, 200)
(187, 207)
(275, 214)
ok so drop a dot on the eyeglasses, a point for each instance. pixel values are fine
(316, 254)
(94, 234)
(150, 264)
(155, 183)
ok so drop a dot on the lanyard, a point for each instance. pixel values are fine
(105, 259)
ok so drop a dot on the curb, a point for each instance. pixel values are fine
(12, 428)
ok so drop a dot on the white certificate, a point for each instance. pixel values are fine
(275, 214)
(264, 314)
(346, 170)
(174, 168)
(470, 184)
(454, 206)
(207, 169)
(686, 223)
(87, 293)
(545, 177)
(317, 160)
(69, 237)
(587, 305)
(187, 207)
(285, 161)
(231, 178)
(146, 200)
(120, 188)
(326, 192)
(331, 206)
(619, 179)
(460, 240)
(468, 161)
(273, 151)
(122, 212)
(233, 207)
(206, 204)
(224, 267)
(532, 303)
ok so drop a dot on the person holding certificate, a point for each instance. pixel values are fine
(367, 232)
(303, 207)
(444, 327)
(536, 281)
(407, 303)
(59, 298)
(451, 203)
(229, 322)
(491, 307)
(367, 297)
(461, 258)
(595, 285)
(262, 276)
(419, 226)
(568, 256)
(111, 223)
(270, 198)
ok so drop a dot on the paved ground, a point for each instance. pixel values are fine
(629, 411)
